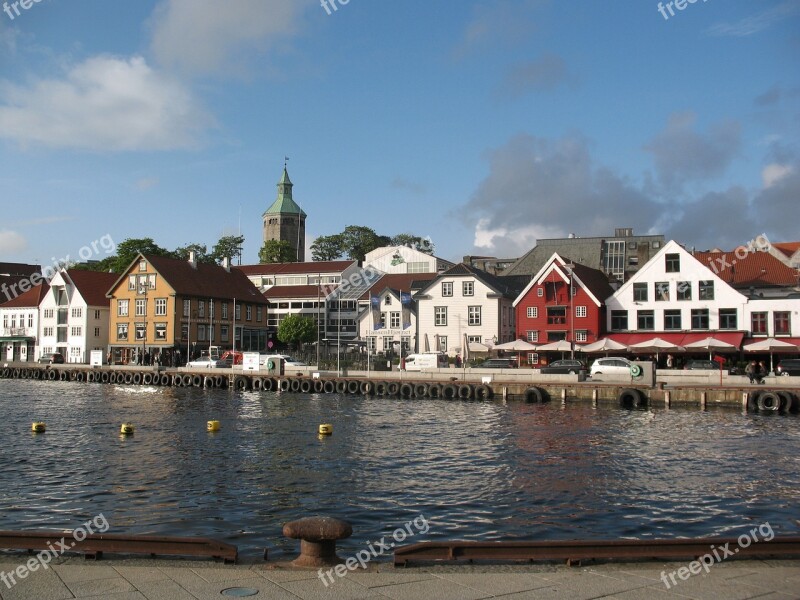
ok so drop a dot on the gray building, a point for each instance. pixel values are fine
(618, 256)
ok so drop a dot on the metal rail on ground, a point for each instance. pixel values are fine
(94, 545)
(573, 552)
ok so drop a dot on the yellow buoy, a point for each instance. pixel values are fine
(126, 429)
(213, 426)
(326, 429)
(38, 427)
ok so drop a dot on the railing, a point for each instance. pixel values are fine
(17, 332)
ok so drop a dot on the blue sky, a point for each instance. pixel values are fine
(482, 124)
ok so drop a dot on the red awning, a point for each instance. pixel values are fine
(680, 339)
(788, 340)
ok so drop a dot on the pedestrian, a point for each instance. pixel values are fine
(458, 361)
(762, 372)
(751, 370)
(670, 361)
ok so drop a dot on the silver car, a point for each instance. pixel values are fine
(611, 366)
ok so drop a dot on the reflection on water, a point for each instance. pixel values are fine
(474, 470)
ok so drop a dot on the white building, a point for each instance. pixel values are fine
(683, 298)
(20, 322)
(74, 314)
(403, 259)
(467, 303)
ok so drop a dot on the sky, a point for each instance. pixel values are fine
(481, 124)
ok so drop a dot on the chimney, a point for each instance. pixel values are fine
(193, 259)
(226, 264)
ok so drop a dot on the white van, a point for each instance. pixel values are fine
(427, 360)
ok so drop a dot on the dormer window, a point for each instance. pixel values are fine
(387, 300)
(143, 265)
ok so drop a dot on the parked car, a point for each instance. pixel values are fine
(694, 365)
(207, 362)
(426, 360)
(288, 361)
(563, 367)
(611, 366)
(497, 363)
(52, 358)
(788, 366)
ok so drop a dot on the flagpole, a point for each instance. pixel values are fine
(401, 365)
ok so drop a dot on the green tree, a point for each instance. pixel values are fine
(228, 246)
(358, 240)
(327, 247)
(128, 249)
(200, 252)
(276, 251)
(297, 330)
(414, 241)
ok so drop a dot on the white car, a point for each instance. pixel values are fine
(288, 361)
(611, 366)
(206, 362)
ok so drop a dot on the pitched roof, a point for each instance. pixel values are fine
(296, 268)
(788, 248)
(407, 282)
(203, 280)
(93, 285)
(284, 204)
(757, 269)
(510, 287)
(19, 269)
(28, 299)
(595, 281)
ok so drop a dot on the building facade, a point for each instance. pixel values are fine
(404, 259)
(20, 321)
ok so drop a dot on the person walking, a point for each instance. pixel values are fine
(762, 372)
(751, 370)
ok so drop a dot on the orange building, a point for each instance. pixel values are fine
(164, 310)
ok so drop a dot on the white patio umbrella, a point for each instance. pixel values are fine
(559, 346)
(656, 345)
(711, 343)
(605, 345)
(770, 345)
(517, 346)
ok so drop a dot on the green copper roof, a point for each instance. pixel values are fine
(284, 204)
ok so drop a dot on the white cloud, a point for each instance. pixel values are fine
(772, 174)
(146, 183)
(209, 36)
(104, 103)
(757, 22)
(512, 241)
(12, 242)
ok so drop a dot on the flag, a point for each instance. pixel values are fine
(405, 303)
(375, 308)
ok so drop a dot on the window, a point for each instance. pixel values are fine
(225, 311)
(49, 313)
(161, 331)
(581, 335)
(556, 315)
(248, 311)
(30, 320)
(539, 292)
(533, 312)
(417, 267)
(533, 358)
(143, 265)
(61, 335)
(394, 320)
(201, 333)
(211, 330)
(151, 281)
(728, 318)
(532, 336)
(645, 320)
(640, 292)
(468, 288)
(387, 300)
(672, 263)
(781, 323)
(161, 307)
(140, 331)
(201, 309)
(758, 323)
(224, 336)
(633, 261)
(122, 308)
(48, 332)
(132, 279)
(185, 333)
(619, 320)
(672, 319)
(631, 245)
(447, 289)
(684, 290)
(615, 258)
(141, 307)
(440, 315)
(77, 313)
(556, 336)
(662, 291)
(474, 315)
(96, 332)
(700, 318)
(259, 313)
(442, 343)
(238, 313)
(383, 320)
(62, 316)
(580, 311)
(706, 290)
(187, 308)
(656, 244)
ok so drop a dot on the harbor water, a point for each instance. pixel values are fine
(473, 470)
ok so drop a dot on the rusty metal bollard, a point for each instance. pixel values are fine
(317, 537)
